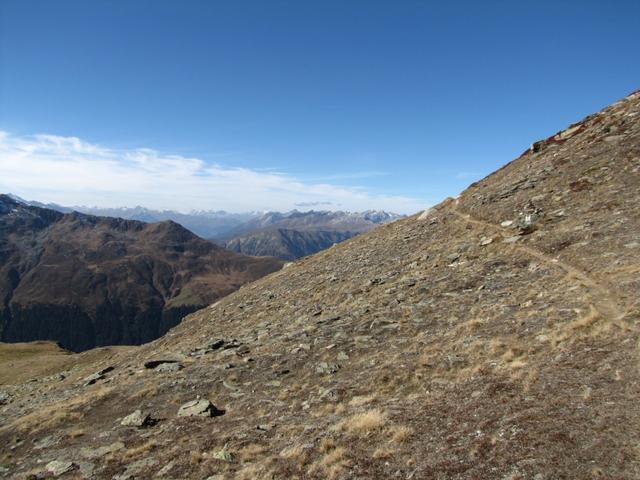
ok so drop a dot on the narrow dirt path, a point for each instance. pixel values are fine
(605, 302)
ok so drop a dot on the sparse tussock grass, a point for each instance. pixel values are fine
(361, 400)
(140, 450)
(195, 457)
(54, 415)
(332, 464)
(400, 433)
(363, 423)
(295, 452)
(76, 432)
(251, 452)
(146, 391)
(381, 453)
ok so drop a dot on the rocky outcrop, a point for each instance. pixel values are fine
(87, 281)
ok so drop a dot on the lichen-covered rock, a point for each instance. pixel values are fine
(199, 408)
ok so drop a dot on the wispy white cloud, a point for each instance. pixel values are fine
(70, 171)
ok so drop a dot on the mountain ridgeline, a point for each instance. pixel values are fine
(298, 234)
(87, 281)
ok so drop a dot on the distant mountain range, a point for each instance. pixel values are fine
(287, 236)
(297, 234)
(86, 281)
(206, 223)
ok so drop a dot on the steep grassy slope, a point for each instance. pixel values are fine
(493, 336)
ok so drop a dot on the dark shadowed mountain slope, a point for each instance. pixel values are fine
(494, 336)
(86, 281)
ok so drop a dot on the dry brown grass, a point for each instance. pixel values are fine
(331, 465)
(363, 423)
(55, 415)
(140, 450)
(195, 457)
(146, 391)
(381, 453)
(400, 433)
(76, 433)
(251, 452)
(20, 362)
(361, 400)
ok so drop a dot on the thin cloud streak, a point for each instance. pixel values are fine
(70, 171)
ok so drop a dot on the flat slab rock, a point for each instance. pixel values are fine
(58, 467)
(163, 365)
(136, 419)
(199, 408)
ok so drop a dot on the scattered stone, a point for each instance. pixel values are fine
(325, 368)
(47, 442)
(215, 345)
(137, 419)
(134, 468)
(484, 241)
(409, 282)
(169, 367)
(86, 469)
(527, 223)
(154, 364)
(166, 469)
(626, 245)
(569, 132)
(4, 398)
(328, 394)
(232, 344)
(223, 454)
(199, 408)
(58, 467)
(513, 239)
(425, 214)
(95, 377)
(242, 350)
(99, 452)
(506, 223)
(328, 319)
(454, 257)
(343, 356)
(536, 146)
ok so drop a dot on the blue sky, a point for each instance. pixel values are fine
(244, 105)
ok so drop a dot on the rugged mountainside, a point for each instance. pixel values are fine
(494, 336)
(297, 234)
(285, 243)
(86, 281)
(205, 223)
